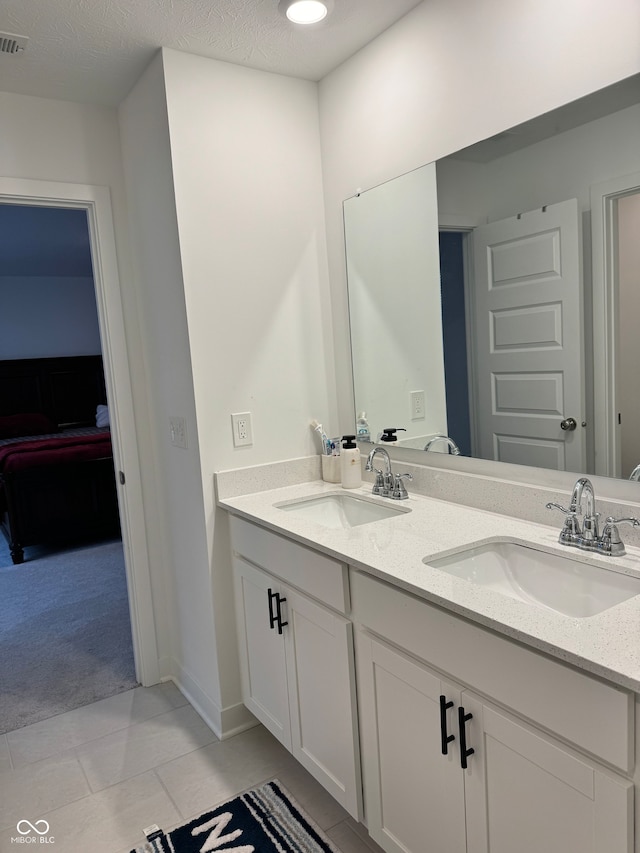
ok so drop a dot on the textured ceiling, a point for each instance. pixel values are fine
(95, 50)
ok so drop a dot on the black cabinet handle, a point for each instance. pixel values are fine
(272, 615)
(281, 624)
(444, 737)
(464, 752)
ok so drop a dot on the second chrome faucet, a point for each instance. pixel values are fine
(588, 536)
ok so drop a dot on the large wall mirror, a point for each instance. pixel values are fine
(494, 296)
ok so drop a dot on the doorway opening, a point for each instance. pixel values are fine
(95, 204)
(454, 337)
(66, 622)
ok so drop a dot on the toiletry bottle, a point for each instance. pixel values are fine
(362, 428)
(350, 463)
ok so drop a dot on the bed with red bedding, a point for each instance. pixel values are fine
(57, 481)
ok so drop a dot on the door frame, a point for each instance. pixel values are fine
(96, 200)
(604, 246)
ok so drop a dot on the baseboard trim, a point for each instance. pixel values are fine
(223, 722)
(235, 719)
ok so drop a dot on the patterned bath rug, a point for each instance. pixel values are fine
(264, 820)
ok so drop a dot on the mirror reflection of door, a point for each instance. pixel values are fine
(525, 338)
(528, 339)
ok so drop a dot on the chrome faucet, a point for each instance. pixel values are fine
(387, 484)
(454, 450)
(590, 533)
(635, 474)
(588, 537)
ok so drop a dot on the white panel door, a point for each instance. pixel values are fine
(527, 338)
(321, 678)
(414, 793)
(528, 793)
(262, 650)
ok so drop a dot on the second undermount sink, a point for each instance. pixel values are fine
(549, 580)
(342, 510)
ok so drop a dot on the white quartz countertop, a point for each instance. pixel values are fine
(393, 549)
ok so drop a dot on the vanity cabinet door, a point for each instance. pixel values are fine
(414, 794)
(526, 791)
(297, 668)
(262, 649)
(322, 697)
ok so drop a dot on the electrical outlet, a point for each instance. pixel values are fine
(178, 432)
(242, 431)
(417, 405)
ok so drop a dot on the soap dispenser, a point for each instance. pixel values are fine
(389, 434)
(351, 473)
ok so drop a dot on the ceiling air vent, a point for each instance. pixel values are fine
(12, 44)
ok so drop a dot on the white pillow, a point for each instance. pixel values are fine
(102, 416)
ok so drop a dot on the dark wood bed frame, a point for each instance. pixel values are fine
(57, 503)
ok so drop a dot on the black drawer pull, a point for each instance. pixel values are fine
(444, 737)
(281, 624)
(272, 615)
(464, 752)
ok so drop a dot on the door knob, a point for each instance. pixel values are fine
(569, 424)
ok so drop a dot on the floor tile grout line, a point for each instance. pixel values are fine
(152, 768)
(91, 793)
(64, 805)
(6, 740)
(84, 772)
(345, 821)
(356, 835)
(79, 709)
(91, 740)
(109, 734)
(167, 792)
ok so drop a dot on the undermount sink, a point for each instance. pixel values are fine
(341, 510)
(553, 581)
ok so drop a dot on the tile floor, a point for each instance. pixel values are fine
(101, 773)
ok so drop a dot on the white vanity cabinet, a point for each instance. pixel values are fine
(428, 705)
(296, 654)
(415, 795)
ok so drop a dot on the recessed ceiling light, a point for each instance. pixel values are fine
(305, 11)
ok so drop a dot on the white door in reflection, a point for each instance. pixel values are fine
(527, 339)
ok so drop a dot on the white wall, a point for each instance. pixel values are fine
(47, 316)
(449, 74)
(246, 161)
(146, 151)
(79, 143)
(240, 150)
(561, 167)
